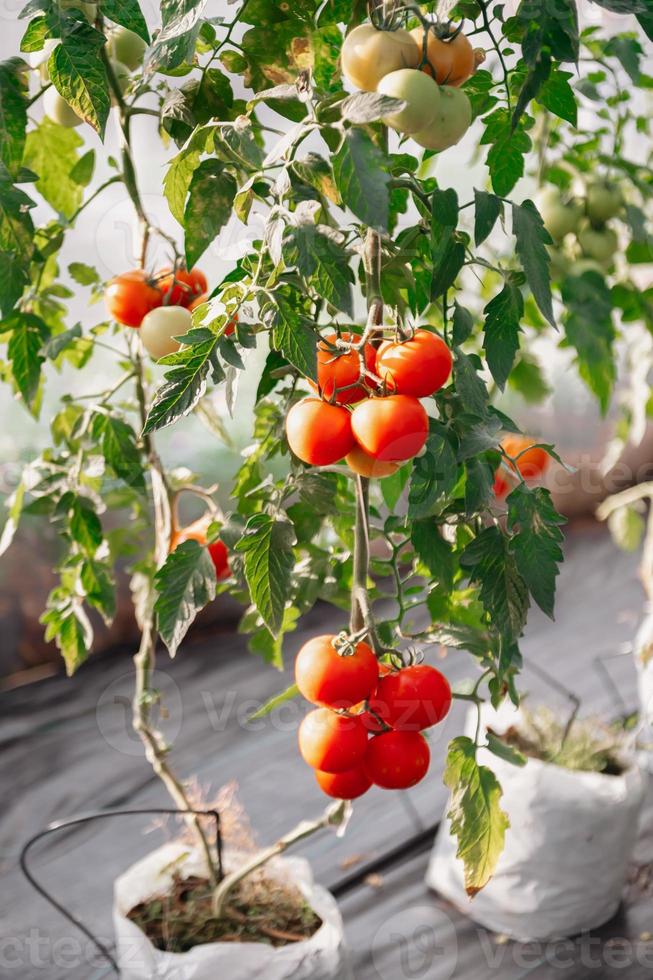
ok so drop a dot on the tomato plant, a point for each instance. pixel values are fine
(377, 307)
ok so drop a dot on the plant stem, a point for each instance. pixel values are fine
(334, 815)
(361, 556)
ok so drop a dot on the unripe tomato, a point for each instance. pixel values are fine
(560, 218)
(369, 54)
(599, 244)
(332, 680)
(418, 367)
(126, 46)
(348, 785)
(604, 201)
(331, 742)
(181, 287)
(57, 109)
(343, 369)
(412, 699)
(130, 296)
(217, 549)
(450, 62)
(397, 760)
(418, 91)
(319, 433)
(365, 465)
(393, 428)
(533, 461)
(160, 327)
(452, 120)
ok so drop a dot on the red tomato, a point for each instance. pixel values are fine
(534, 461)
(393, 428)
(365, 465)
(319, 433)
(501, 485)
(332, 680)
(346, 785)
(331, 742)
(217, 549)
(131, 296)
(340, 370)
(397, 760)
(413, 698)
(181, 287)
(417, 367)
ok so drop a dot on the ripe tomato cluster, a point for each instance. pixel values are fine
(531, 464)
(367, 726)
(197, 531)
(160, 306)
(424, 69)
(369, 411)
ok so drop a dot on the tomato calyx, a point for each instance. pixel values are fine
(385, 19)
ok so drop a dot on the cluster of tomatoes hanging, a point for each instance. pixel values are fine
(424, 69)
(160, 307)
(366, 728)
(367, 411)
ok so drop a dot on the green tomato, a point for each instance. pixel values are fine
(604, 201)
(159, 327)
(560, 218)
(126, 47)
(452, 119)
(580, 266)
(599, 244)
(418, 91)
(368, 55)
(57, 109)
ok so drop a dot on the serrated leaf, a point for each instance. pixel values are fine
(319, 258)
(267, 547)
(477, 820)
(536, 542)
(177, 180)
(487, 208)
(368, 107)
(294, 337)
(99, 589)
(504, 751)
(531, 239)
(392, 487)
(590, 330)
(73, 641)
(434, 551)
(118, 443)
(78, 74)
(502, 590)
(51, 152)
(434, 475)
(84, 274)
(185, 583)
(128, 14)
(362, 174)
(211, 196)
(82, 172)
(558, 97)
(175, 42)
(502, 328)
(185, 384)
(505, 158)
(13, 115)
(84, 525)
(469, 386)
(28, 333)
(317, 173)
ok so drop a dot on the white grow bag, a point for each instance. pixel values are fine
(566, 852)
(322, 957)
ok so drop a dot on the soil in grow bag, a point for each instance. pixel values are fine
(260, 909)
(588, 746)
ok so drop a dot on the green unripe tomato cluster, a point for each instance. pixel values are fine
(126, 47)
(586, 219)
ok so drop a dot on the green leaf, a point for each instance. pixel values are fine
(28, 333)
(16, 244)
(267, 546)
(13, 115)
(78, 74)
(315, 171)
(175, 42)
(487, 208)
(469, 386)
(462, 324)
(177, 180)
(128, 14)
(84, 525)
(504, 751)
(532, 237)
(184, 385)
(318, 257)
(508, 147)
(51, 152)
(84, 274)
(118, 443)
(434, 551)
(558, 97)
(367, 107)
(503, 592)
(536, 543)
(278, 699)
(294, 337)
(590, 330)
(435, 473)
(447, 253)
(185, 583)
(82, 172)
(14, 506)
(99, 588)
(477, 819)
(72, 638)
(502, 327)
(361, 173)
(211, 197)
(392, 487)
